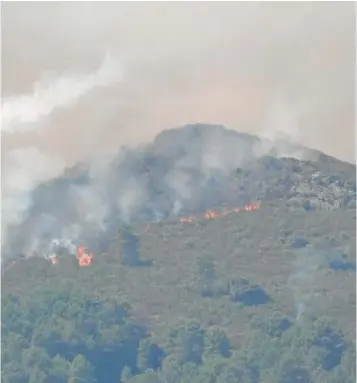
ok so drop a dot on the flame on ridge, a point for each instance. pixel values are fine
(85, 258)
(210, 214)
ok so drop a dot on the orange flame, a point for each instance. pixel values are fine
(54, 260)
(80, 251)
(210, 214)
(187, 219)
(84, 259)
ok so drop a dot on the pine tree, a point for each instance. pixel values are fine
(81, 370)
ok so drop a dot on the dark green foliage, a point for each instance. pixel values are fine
(217, 343)
(186, 343)
(62, 334)
(299, 243)
(150, 355)
(331, 341)
(342, 265)
(130, 247)
(81, 370)
(207, 275)
(274, 326)
(250, 295)
(95, 341)
(63, 323)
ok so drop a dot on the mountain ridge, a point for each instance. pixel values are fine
(183, 171)
(273, 279)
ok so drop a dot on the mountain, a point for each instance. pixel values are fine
(218, 257)
(184, 171)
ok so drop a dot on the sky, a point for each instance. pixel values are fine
(84, 78)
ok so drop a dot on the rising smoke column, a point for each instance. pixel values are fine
(24, 168)
(301, 282)
(26, 112)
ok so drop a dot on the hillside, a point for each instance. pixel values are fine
(184, 171)
(264, 295)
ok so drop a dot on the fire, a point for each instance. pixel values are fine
(84, 258)
(54, 259)
(187, 219)
(251, 207)
(210, 214)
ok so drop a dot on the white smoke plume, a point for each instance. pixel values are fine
(280, 131)
(20, 168)
(187, 69)
(25, 167)
(182, 73)
(25, 112)
(307, 265)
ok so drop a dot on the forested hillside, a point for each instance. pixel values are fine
(261, 288)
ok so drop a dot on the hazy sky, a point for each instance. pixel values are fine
(255, 67)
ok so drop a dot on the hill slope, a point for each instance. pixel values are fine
(281, 277)
(184, 171)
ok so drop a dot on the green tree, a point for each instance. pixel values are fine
(150, 355)
(186, 343)
(12, 372)
(126, 374)
(149, 376)
(207, 275)
(217, 343)
(11, 345)
(130, 247)
(292, 372)
(171, 370)
(60, 370)
(38, 376)
(36, 358)
(81, 370)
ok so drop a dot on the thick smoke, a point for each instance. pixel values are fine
(28, 112)
(23, 168)
(274, 69)
(182, 171)
(222, 63)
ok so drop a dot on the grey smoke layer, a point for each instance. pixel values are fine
(253, 66)
(269, 68)
(184, 171)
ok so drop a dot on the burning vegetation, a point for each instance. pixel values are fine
(211, 214)
(83, 256)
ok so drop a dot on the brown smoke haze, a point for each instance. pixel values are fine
(81, 79)
(254, 67)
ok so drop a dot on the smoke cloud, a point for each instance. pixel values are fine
(23, 168)
(273, 69)
(302, 281)
(26, 112)
(223, 63)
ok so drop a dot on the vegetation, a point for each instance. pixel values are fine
(265, 296)
(48, 339)
(218, 304)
